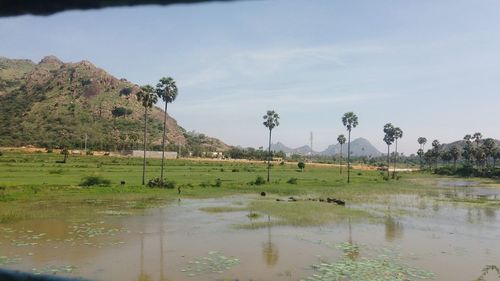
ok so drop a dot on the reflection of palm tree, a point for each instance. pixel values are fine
(162, 278)
(269, 250)
(353, 251)
(142, 275)
(393, 229)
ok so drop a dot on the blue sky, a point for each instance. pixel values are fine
(429, 67)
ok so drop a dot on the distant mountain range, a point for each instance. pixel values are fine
(460, 144)
(359, 147)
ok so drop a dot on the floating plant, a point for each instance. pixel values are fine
(351, 267)
(54, 269)
(4, 260)
(215, 262)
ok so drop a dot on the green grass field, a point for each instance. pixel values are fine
(35, 186)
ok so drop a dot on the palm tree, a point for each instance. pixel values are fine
(271, 120)
(388, 139)
(468, 150)
(341, 139)
(477, 139)
(455, 153)
(147, 96)
(398, 133)
(422, 141)
(350, 121)
(167, 91)
(435, 151)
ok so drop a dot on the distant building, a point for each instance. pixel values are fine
(150, 154)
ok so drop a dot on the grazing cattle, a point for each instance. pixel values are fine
(122, 182)
(336, 201)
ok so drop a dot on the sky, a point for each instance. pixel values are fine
(431, 68)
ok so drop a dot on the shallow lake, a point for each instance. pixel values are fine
(415, 237)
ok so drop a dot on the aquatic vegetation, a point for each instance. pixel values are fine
(351, 267)
(486, 271)
(4, 260)
(53, 269)
(215, 262)
(304, 213)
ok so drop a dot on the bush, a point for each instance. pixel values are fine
(235, 170)
(301, 165)
(94, 180)
(292, 181)
(205, 184)
(89, 152)
(259, 181)
(218, 182)
(157, 182)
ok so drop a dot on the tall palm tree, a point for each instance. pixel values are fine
(147, 96)
(341, 139)
(422, 141)
(167, 91)
(398, 133)
(455, 153)
(477, 139)
(388, 139)
(435, 151)
(271, 120)
(350, 121)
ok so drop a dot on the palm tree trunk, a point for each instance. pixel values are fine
(349, 159)
(388, 161)
(395, 160)
(145, 130)
(341, 159)
(163, 145)
(269, 157)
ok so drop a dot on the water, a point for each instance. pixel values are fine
(181, 242)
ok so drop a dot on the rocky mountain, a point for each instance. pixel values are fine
(359, 147)
(52, 103)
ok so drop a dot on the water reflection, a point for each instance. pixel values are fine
(353, 252)
(393, 229)
(142, 275)
(270, 252)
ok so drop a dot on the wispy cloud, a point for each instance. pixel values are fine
(261, 64)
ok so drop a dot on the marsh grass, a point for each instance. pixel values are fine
(305, 213)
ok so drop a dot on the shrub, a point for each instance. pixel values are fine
(301, 165)
(292, 181)
(157, 182)
(235, 170)
(218, 182)
(259, 181)
(205, 184)
(89, 152)
(94, 180)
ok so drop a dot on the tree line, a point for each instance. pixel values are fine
(474, 157)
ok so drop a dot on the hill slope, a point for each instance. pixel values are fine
(54, 104)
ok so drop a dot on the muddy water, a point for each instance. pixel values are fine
(180, 242)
